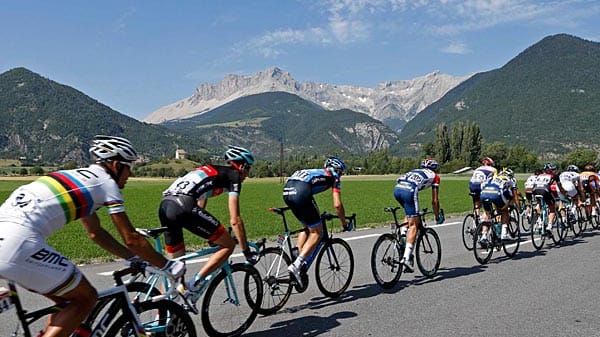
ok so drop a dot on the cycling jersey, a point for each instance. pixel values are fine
(530, 183)
(498, 191)
(589, 181)
(569, 182)
(408, 186)
(36, 210)
(480, 176)
(543, 186)
(300, 188)
(179, 208)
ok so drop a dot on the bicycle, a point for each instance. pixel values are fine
(524, 214)
(388, 250)
(226, 310)
(155, 317)
(539, 230)
(334, 261)
(485, 243)
(570, 215)
(469, 225)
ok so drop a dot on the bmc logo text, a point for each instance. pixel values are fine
(47, 256)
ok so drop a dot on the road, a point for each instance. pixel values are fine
(551, 292)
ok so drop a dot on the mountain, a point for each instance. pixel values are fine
(263, 121)
(52, 123)
(393, 103)
(545, 98)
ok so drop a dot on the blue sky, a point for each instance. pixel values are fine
(136, 56)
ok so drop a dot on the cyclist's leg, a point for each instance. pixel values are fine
(26, 259)
(305, 208)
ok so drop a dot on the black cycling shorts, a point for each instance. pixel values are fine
(298, 196)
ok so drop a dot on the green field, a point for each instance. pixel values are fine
(364, 195)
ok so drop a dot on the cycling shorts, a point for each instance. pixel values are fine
(475, 188)
(548, 197)
(182, 211)
(569, 188)
(298, 196)
(408, 197)
(26, 258)
(494, 196)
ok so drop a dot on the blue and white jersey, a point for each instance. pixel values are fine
(319, 179)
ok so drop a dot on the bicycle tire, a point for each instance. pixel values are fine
(468, 227)
(385, 261)
(537, 231)
(334, 273)
(277, 287)
(584, 218)
(482, 253)
(525, 219)
(562, 225)
(221, 316)
(595, 219)
(511, 247)
(576, 225)
(428, 252)
(162, 318)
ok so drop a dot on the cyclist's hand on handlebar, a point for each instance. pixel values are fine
(175, 268)
(134, 260)
(440, 219)
(349, 227)
(251, 256)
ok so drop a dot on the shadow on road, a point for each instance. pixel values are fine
(309, 325)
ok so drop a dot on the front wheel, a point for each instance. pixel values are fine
(429, 252)
(335, 267)
(468, 228)
(511, 246)
(482, 243)
(526, 218)
(385, 261)
(538, 232)
(162, 318)
(277, 286)
(231, 302)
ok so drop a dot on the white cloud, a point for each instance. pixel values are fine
(456, 48)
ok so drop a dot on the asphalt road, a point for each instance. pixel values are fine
(551, 292)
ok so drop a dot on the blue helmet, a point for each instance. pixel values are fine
(336, 163)
(430, 163)
(239, 154)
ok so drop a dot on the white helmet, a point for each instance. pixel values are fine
(113, 148)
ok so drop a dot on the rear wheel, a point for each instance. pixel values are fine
(482, 243)
(277, 286)
(584, 218)
(577, 219)
(468, 228)
(537, 230)
(335, 267)
(385, 261)
(526, 218)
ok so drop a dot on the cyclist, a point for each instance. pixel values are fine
(406, 193)
(36, 210)
(184, 206)
(480, 176)
(529, 185)
(589, 184)
(501, 190)
(298, 194)
(569, 181)
(543, 187)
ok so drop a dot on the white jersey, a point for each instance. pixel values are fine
(530, 182)
(482, 174)
(572, 177)
(50, 202)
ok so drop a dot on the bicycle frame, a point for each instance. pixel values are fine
(113, 300)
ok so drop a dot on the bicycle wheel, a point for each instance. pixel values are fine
(525, 218)
(584, 218)
(482, 249)
(576, 223)
(141, 291)
(468, 227)
(428, 252)
(563, 224)
(277, 287)
(385, 261)
(160, 319)
(511, 246)
(538, 235)
(231, 301)
(595, 218)
(335, 267)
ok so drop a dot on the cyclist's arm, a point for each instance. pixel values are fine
(236, 221)
(339, 207)
(135, 241)
(103, 239)
(435, 201)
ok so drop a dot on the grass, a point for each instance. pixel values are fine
(364, 195)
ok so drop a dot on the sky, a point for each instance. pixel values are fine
(137, 56)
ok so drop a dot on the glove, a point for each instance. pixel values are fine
(349, 227)
(440, 219)
(175, 268)
(251, 256)
(136, 262)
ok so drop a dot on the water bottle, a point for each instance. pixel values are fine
(498, 229)
(294, 253)
(82, 331)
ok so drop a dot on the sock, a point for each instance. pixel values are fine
(408, 251)
(299, 261)
(197, 282)
(504, 229)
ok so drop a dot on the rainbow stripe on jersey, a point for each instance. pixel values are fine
(74, 198)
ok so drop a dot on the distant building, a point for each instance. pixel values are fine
(180, 154)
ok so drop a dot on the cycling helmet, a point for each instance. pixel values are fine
(589, 167)
(507, 172)
(336, 163)
(430, 163)
(487, 161)
(572, 168)
(239, 154)
(548, 167)
(108, 148)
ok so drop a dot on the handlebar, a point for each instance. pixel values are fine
(141, 267)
